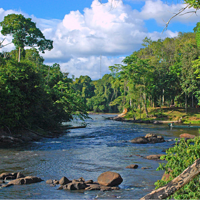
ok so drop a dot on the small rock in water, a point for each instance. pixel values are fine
(93, 187)
(4, 175)
(9, 178)
(69, 186)
(49, 181)
(20, 175)
(60, 187)
(64, 181)
(149, 135)
(154, 157)
(105, 188)
(146, 168)
(89, 182)
(132, 166)
(149, 138)
(56, 182)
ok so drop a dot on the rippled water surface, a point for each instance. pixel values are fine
(103, 146)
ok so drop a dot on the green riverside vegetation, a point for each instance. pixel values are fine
(159, 81)
(33, 95)
(178, 158)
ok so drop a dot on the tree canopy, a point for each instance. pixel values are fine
(25, 33)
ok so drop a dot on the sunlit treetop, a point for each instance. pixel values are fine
(193, 3)
(24, 32)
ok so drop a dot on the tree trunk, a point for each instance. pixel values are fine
(163, 97)
(19, 54)
(185, 102)
(185, 177)
(145, 104)
(192, 101)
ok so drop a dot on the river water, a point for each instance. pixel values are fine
(104, 145)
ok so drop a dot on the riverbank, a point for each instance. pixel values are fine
(20, 137)
(27, 135)
(162, 116)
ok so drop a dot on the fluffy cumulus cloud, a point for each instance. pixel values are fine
(162, 12)
(113, 30)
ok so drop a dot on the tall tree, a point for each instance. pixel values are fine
(25, 33)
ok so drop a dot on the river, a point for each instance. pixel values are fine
(104, 145)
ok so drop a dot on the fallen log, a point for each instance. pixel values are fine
(185, 177)
(74, 127)
(71, 127)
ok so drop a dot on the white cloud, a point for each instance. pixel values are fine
(103, 29)
(93, 66)
(100, 30)
(162, 12)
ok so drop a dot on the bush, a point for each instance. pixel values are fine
(178, 158)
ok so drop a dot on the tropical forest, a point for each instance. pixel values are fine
(53, 124)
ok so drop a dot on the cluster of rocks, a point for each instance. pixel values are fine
(150, 157)
(17, 179)
(106, 181)
(148, 138)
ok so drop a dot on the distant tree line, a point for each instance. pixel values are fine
(163, 73)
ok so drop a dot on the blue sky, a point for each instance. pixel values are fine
(84, 30)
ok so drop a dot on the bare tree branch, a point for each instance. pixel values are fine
(1, 43)
(179, 13)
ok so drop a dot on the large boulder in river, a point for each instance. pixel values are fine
(110, 179)
(148, 138)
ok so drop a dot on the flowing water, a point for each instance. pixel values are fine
(104, 145)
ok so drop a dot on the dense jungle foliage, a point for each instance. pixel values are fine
(33, 95)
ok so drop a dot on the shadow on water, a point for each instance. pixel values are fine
(103, 145)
